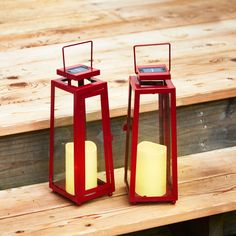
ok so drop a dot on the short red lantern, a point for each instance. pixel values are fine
(151, 149)
(81, 165)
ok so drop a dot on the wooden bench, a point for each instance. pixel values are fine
(203, 53)
(203, 71)
(207, 186)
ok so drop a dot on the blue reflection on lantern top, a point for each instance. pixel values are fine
(152, 69)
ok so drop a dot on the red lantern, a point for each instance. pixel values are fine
(81, 166)
(151, 149)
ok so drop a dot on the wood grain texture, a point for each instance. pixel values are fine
(35, 210)
(210, 126)
(32, 35)
(26, 24)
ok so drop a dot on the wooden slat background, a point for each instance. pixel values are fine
(203, 36)
(33, 32)
(27, 24)
(201, 127)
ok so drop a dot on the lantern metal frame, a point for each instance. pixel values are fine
(161, 84)
(80, 93)
(88, 71)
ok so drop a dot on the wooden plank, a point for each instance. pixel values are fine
(26, 24)
(115, 215)
(203, 70)
(210, 126)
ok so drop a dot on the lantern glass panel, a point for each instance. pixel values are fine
(95, 136)
(129, 132)
(153, 163)
(148, 129)
(166, 132)
(63, 134)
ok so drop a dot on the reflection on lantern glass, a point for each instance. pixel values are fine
(152, 69)
(77, 69)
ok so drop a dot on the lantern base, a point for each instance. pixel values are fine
(170, 196)
(99, 191)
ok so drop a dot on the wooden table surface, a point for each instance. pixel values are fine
(202, 34)
(206, 187)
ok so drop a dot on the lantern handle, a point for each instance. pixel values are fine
(152, 44)
(75, 44)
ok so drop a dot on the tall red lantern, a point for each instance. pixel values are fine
(81, 165)
(151, 149)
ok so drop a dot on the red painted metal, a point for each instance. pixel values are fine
(94, 87)
(139, 86)
(164, 71)
(88, 71)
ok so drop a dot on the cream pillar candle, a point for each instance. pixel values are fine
(151, 169)
(90, 166)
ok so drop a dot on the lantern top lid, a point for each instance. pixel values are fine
(152, 72)
(78, 71)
